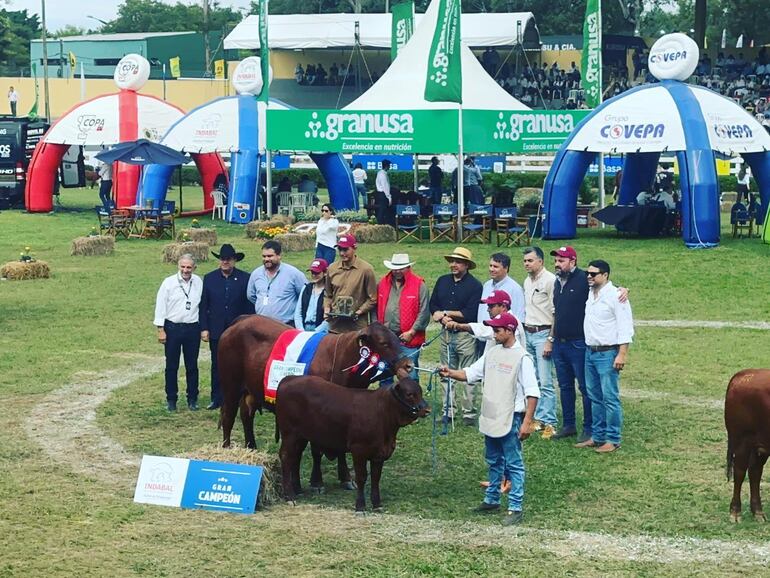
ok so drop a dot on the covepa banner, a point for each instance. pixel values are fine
(592, 53)
(264, 52)
(362, 131)
(444, 81)
(541, 131)
(402, 27)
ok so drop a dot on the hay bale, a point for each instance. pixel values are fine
(199, 235)
(93, 245)
(529, 191)
(270, 490)
(375, 234)
(172, 251)
(296, 241)
(23, 270)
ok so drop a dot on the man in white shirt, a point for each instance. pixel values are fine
(609, 329)
(508, 405)
(359, 180)
(13, 100)
(538, 296)
(382, 197)
(176, 317)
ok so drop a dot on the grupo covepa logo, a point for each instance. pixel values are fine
(631, 131)
(733, 131)
(337, 125)
(516, 124)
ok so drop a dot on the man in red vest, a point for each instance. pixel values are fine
(402, 306)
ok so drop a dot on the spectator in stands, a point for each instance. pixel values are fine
(320, 74)
(299, 74)
(310, 77)
(334, 74)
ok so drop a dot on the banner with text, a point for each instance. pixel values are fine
(402, 27)
(592, 53)
(535, 131)
(444, 82)
(362, 131)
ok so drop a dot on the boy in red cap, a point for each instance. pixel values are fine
(509, 398)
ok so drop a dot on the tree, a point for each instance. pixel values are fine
(156, 16)
(17, 29)
(69, 30)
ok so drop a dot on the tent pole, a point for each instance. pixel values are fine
(268, 183)
(601, 185)
(416, 171)
(460, 177)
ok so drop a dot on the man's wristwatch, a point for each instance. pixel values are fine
(549, 339)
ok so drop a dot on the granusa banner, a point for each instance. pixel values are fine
(402, 27)
(444, 82)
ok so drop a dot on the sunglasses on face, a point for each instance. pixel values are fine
(594, 273)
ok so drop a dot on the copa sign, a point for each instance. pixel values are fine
(132, 72)
(247, 78)
(673, 57)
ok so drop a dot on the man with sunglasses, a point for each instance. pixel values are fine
(351, 289)
(609, 329)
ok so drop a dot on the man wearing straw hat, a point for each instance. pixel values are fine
(223, 300)
(456, 297)
(402, 306)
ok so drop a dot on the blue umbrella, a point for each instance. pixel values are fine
(142, 152)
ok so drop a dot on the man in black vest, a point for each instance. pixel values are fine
(223, 301)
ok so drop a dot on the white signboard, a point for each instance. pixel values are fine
(161, 481)
(281, 369)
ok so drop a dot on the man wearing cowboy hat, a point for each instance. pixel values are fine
(402, 306)
(223, 300)
(456, 297)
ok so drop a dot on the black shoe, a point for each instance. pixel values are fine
(213, 405)
(193, 405)
(513, 518)
(565, 433)
(171, 405)
(486, 507)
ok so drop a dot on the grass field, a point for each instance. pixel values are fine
(81, 399)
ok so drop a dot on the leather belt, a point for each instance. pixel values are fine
(535, 328)
(597, 348)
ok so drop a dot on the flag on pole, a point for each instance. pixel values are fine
(219, 68)
(592, 53)
(73, 63)
(402, 27)
(264, 52)
(175, 66)
(739, 44)
(724, 37)
(444, 82)
(32, 114)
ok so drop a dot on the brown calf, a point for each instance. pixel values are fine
(747, 419)
(336, 419)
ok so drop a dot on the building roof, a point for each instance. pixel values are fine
(119, 37)
(312, 31)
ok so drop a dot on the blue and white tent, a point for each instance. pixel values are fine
(669, 116)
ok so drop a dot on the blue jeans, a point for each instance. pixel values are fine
(361, 189)
(182, 338)
(603, 389)
(324, 252)
(546, 405)
(569, 359)
(406, 351)
(105, 188)
(503, 456)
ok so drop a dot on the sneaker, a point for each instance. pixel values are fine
(486, 507)
(565, 433)
(171, 405)
(607, 448)
(536, 426)
(513, 518)
(589, 443)
(548, 432)
(193, 405)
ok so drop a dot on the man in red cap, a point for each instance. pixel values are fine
(351, 289)
(509, 398)
(309, 313)
(497, 302)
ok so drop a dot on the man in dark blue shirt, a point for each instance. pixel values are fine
(456, 297)
(223, 300)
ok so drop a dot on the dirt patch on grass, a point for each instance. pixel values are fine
(64, 425)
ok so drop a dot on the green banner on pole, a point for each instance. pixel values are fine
(264, 52)
(535, 131)
(33, 114)
(592, 53)
(402, 27)
(444, 81)
(369, 131)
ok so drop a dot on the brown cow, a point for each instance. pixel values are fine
(747, 419)
(244, 349)
(338, 419)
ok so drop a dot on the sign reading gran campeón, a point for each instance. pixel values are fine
(420, 131)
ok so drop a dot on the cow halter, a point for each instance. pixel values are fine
(414, 410)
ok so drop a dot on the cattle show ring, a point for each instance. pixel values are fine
(356, 451)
